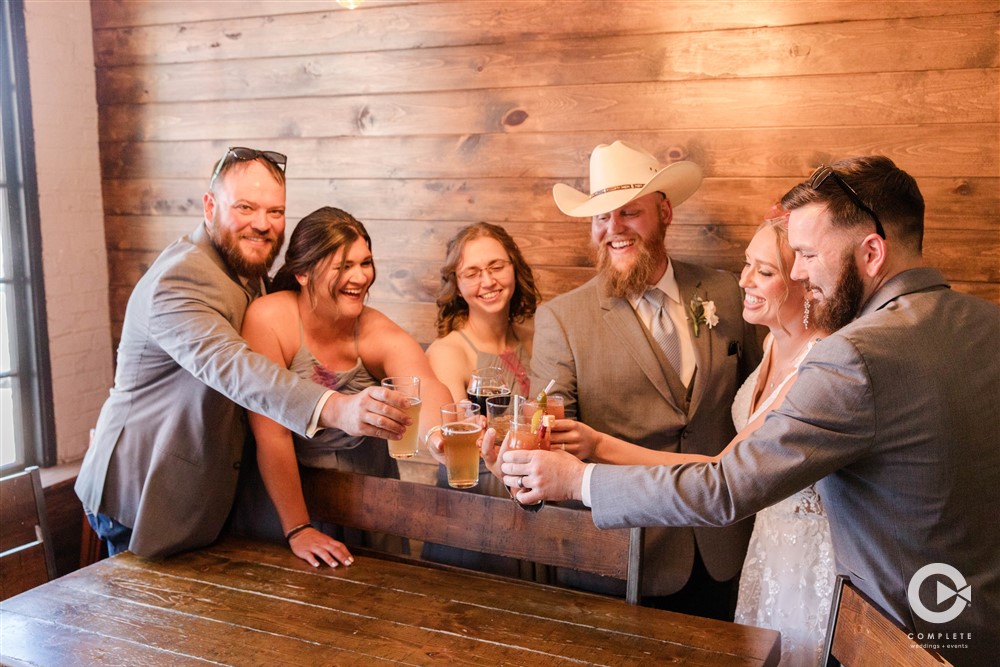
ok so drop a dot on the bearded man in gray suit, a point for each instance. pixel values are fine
(895, 414)
(160, 475)
(598, 342)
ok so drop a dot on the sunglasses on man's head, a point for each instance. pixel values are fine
(245, 154)
(824, 172)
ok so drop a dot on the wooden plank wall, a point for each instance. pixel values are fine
(421, 117)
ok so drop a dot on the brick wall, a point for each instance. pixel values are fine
(64, 114)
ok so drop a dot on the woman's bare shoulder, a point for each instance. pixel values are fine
(450, 343)
(374, 321)
(277, 311)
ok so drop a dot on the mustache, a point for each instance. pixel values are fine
(270, 237)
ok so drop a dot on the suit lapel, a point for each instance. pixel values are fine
(621, 319)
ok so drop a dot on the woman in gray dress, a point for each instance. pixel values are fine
(316, 321)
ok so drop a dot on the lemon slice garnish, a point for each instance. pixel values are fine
(536, 421)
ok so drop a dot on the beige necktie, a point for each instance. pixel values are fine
(662, 328)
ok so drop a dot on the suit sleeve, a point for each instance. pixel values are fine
(187, 321)
(552, 359)
(826, 422)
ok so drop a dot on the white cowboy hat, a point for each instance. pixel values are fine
(622, 172)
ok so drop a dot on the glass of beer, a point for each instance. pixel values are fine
(409, 386)
(486, 382)
(498, 414)
(461, 427)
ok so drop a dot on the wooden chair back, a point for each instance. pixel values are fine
(558, 536)
(861, 634)
(26, 555)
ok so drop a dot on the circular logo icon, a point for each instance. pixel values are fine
(960, 590)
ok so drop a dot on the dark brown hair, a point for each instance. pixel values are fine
(888, 190)
(453, 311)
(318, 236)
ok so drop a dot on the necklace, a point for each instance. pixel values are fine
(765, 384)
(788, 370)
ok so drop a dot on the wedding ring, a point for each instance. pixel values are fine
(520, 482)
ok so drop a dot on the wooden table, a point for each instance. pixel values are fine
(242, 602)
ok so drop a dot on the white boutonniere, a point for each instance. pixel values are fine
(702, 312)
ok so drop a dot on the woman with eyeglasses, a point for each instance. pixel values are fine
(486, 306)
(315, 321)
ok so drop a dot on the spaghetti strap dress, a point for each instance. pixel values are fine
(329, 448)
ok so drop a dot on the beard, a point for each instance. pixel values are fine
(633, 280)
(842, 306)
(228, 245)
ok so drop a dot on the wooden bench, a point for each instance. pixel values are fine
(558, 536)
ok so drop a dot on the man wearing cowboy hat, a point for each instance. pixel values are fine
(604, 345)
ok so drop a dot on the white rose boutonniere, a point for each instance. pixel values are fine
(702, 312)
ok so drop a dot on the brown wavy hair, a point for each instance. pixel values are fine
(453, 311)
(317, 237)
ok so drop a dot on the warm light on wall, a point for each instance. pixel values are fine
(350, 4)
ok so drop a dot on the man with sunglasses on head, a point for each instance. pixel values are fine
(895, 414)
(160, 475)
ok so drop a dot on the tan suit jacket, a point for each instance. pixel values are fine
(615, 378)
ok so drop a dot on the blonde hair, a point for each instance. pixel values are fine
(777, 221)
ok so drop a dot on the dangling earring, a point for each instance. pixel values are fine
(805, 313)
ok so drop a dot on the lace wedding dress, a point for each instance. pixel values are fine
(788, 575)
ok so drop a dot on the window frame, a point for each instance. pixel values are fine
(30, 364)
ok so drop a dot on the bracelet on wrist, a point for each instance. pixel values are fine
(295, 531)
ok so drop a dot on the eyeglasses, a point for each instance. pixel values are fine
(245, 154)
(824, 172)
(474, 274)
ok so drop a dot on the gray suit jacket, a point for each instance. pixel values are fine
(898, 414)
(166, 451)
(615, 378)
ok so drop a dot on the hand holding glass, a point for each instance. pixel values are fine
(409, 386)
(532, 413)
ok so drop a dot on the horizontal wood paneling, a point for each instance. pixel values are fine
(821, 101)
(421, 117)
(237, 30)
(949, 150)
(954, 42)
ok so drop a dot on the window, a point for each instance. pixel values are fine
(26, 427)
